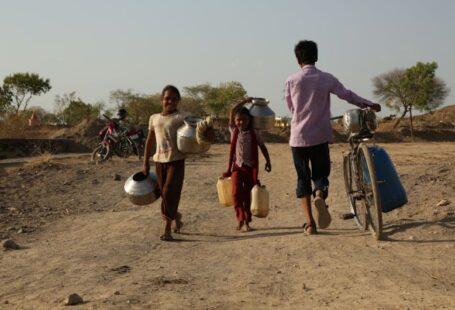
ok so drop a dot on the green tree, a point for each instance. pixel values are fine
(77, 110)
(62, 102)
(216, 100)
(139, 106)
(5, 100)
(415, 87)
(23, 86)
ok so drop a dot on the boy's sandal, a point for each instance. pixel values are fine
(322, 215)
(309, 229)
(166, 237)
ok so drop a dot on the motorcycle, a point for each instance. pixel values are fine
(122, 142)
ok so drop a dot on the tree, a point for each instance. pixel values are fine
(139, 106)
(415, 87)
(5, 100)
(62, 102)
(71, 109)
(23, 86)
(216, 100)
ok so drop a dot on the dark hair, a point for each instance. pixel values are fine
(171, 88)
(246, 112)
(306, 52)
(121, 114)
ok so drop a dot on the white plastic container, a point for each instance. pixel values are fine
(259, 201)
(224, 188)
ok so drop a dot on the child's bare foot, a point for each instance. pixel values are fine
(177, 224)
(239, 226)
(167, 235)
(248, 227)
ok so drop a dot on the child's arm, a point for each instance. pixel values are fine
(235, 107)
(265, 152)
(149, 143)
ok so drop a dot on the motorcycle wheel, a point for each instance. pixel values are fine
(101, 153)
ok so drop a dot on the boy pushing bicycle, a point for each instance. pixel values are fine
(307, 95)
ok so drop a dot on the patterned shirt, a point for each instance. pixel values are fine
(243, 151)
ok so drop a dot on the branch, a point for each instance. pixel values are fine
(26, 102)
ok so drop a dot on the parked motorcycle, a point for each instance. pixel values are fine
(122, 142)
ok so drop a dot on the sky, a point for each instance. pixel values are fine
(97, 46)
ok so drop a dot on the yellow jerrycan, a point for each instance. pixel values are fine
(224, 188)
(259, 201)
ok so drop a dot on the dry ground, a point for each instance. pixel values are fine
(81, 235)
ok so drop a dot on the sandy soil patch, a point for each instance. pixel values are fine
(81, 235)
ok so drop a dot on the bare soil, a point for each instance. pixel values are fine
(79, 234)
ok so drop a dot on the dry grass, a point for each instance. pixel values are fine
(44, 158)
(13, 126)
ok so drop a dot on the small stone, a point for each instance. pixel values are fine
(74, 299)
(412, 238)
(443, 202)
(95, 181)
(116, 177)
(10, 245)
(116, 293)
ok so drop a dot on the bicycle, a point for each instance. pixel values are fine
(361, 183)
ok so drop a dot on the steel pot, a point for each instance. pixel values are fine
(186, 137)
(359, 121)
(263, 116)
(141, 189)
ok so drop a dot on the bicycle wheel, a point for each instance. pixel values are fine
(356, 206)
(369, 187)
(101, 153)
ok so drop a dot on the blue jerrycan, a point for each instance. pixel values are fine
(391, 190)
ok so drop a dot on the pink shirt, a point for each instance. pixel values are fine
(307, 95)
(243, 151)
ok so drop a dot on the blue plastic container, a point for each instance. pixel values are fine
(391, 190)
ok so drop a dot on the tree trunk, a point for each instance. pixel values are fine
(410, 121)
(400, 118)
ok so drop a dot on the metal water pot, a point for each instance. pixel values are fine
(263, 116)
(359, 121)
(141, 189)
(186, 137)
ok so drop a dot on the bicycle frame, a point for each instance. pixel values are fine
(361, 184)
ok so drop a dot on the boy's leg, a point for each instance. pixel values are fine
(310, 226)
(320, 164)
(303, 191)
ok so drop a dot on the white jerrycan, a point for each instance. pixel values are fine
(259, 201)
(224, 188)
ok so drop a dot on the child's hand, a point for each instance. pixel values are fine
(146, 169)
(376, 107)
(227, 174)
(247, 100)
(268, 166)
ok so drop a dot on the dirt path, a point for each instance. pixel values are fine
(114, 260)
